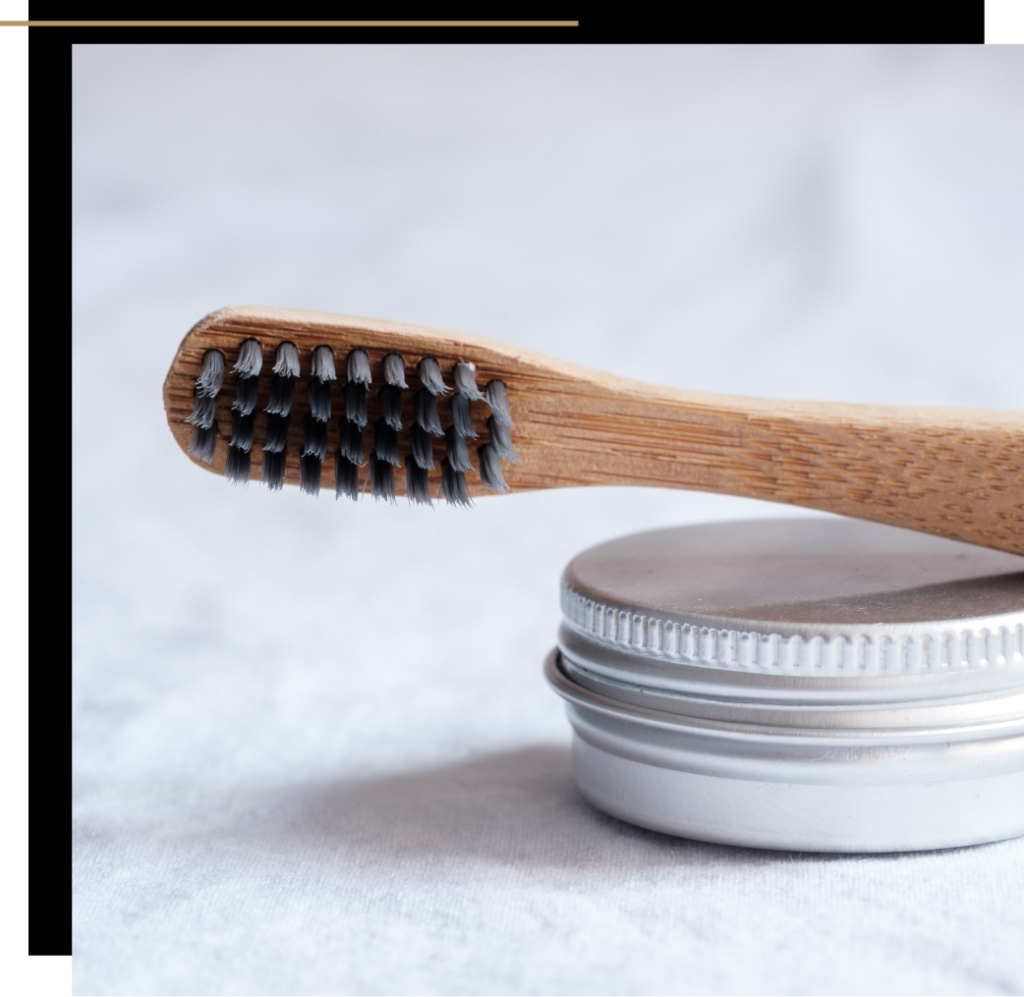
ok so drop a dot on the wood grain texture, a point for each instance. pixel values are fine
(958, 473)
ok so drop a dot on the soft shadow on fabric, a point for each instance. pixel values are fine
(516, 808)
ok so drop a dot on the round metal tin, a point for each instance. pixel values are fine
(810, 684)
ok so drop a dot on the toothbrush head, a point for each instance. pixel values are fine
(281, 425)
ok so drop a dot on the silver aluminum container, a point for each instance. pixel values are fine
(811, 684)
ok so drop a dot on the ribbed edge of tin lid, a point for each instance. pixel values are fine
(997, 643)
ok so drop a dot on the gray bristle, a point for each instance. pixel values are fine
(458, 452)
(430, 375)
(247, 390)
(323, 364)
(202, 412)
(346, 477)
(426, 412)
(465, 381)
(287, 363)
(250, 359)
(462, 417)
(490, 469)
(394, 370)
(385, 445)
(351, 437)
(277, 433)
(319, 399)
(359, 367)
(497, 398)
(453, 485)
(502, 440)
(241, 431)
(417, 482)
(273, 470)
(391, 405)
(204, 443)
(314, 437)
(355, 403)
(422, 447)
(382, 479)
(238, 466)
(309, 474)
(209, 381)
(281, 391)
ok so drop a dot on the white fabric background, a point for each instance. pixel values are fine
(314, 753)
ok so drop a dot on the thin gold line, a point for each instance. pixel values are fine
(289, 24)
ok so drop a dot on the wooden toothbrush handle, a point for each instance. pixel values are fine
(955, 473)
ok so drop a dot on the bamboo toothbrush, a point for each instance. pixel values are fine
(275, 394)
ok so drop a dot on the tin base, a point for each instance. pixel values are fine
(801, 816)
(767, 789)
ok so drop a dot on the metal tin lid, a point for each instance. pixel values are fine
(820, 606)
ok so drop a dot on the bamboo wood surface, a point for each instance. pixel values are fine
(958, 473)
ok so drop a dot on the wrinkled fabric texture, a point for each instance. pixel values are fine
(313, 750)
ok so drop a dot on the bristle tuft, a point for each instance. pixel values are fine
(346, 477)
(430, 375)
(497, 398)
(309, 474)
(287, 363)
(465, 382)
(453, 485)
(250, 359)
(382, 479)
(351, 437)
(394, 370)
(391, 405)
(490, 469)
(319, 399)
(281, 391)
(426, 412)
(355, 403)
(386, 443)
(247, 390)
(502, 440)
(417, 482)
(202, 412)
(209, 381)
(314, 437)
(359, 367)
(238, 466)
(277, 433)
(458, 452)
(422, 447)
(273, 470)
(241, 431)
(204, 443)
(322, 363)
(462, 418)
